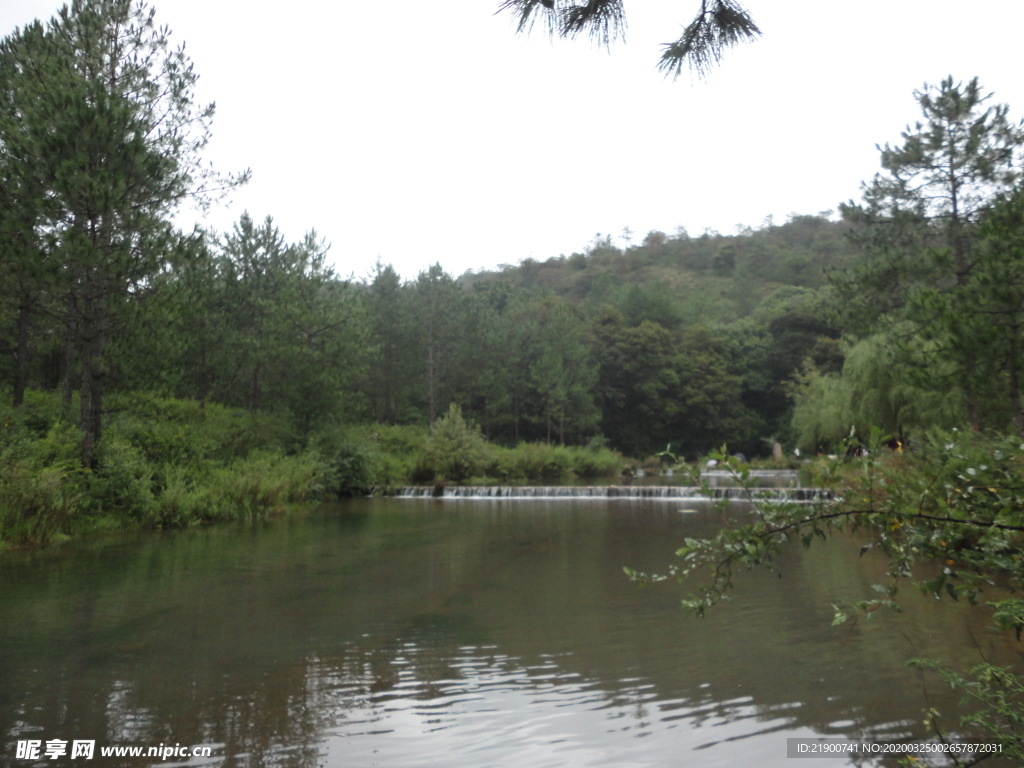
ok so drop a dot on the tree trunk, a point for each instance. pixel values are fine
(431, 382)
(255, 394)
(68, 385)
(973, 417)
(92, 336)
(90, 402)
(1015, 407)
(86, 412)
(21, 353)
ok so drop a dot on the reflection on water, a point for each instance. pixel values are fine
(415, 632)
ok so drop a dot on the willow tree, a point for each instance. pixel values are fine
(918, 221)
(101, 118)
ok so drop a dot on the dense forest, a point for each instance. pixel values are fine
(131, 348)
(154, 377)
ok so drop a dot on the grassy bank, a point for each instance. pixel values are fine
(168, 463)
(162, 463)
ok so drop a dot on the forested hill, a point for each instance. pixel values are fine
(711, 278)
(688, 341)
(692, 342)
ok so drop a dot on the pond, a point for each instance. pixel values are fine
(409, 632)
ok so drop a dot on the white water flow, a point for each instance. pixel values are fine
(666, 492)
(773, 485)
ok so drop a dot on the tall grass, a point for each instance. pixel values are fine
(252, 488)
(41, 481)
(543, 462)
(161, 463)
(168, 463)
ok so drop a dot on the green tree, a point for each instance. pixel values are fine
(182, 339)
(438, 303)
(26, 271)
(918, 223)
(639, 387)
(393, 367)
(871, 391)
(980, 320)
(297, 332)
(454, 449)
(514, 335)
(101, 118)
(561, 370)
(483, 364)
(946, 173)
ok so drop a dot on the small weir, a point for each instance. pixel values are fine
(666, 492)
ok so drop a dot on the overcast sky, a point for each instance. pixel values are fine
(422, 132)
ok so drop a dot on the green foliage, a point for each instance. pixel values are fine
(995, 698)
(656, 387)
(872, 389)
(541, 462)
(123, 481)
(162, 463)
(351, 465)
(247, 489)
(41, 482)
(718, 25)
(395, 451)
(595, 461)
(949, 518)
(455, 450)
(101, 142)
(548, 463)
(189, 433)
(976, 327)
(1009, 614)
(939, 231)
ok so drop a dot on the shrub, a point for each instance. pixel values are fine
(455, 449)
(252, 488)
(41, 483)
(350, 464)
(590, 462)
(172, 431)
(534, 462)
(122, 481)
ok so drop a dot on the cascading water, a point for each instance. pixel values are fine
(667, 492)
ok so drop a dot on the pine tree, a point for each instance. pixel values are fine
(918, 223)
(100, 117)
(717, 25)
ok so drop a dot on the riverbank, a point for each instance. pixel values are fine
(169, 463)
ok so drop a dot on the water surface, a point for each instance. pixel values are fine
(458, 633)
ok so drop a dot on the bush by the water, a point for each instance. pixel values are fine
(454, 449)
(161, 463)
(170, 463)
